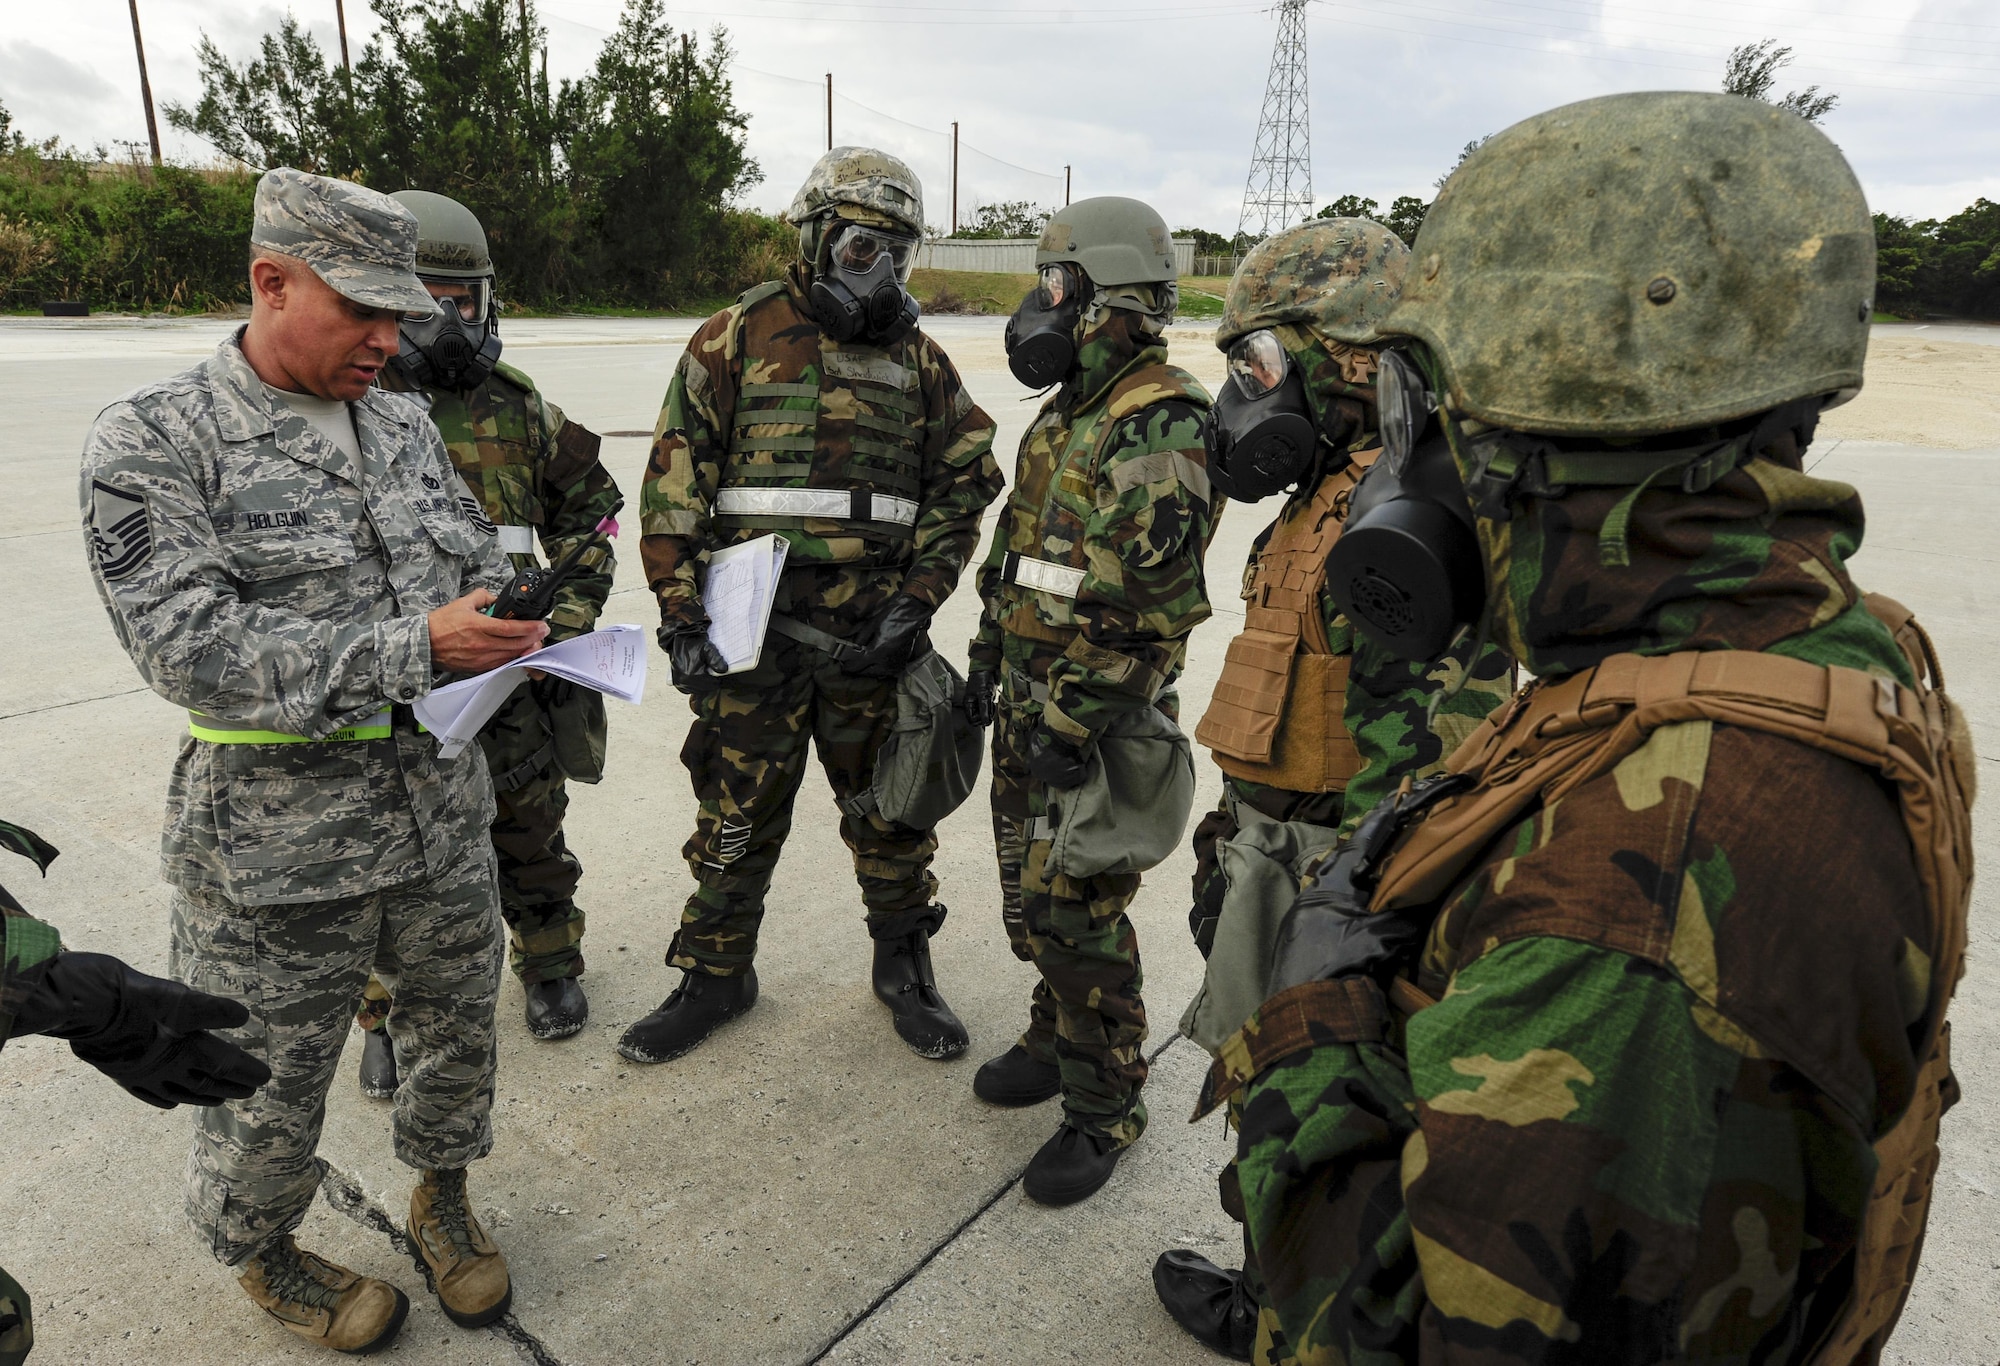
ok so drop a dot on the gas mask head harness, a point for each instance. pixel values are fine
(1408, 570)
(1263, 434)
(858, 293)
(456, 346)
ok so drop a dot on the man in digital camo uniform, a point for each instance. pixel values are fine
(1090, 587)
(815, 409)
(151, 1036)
(1689, 909)
(286, 552)
(537, 477)
(1309, 721)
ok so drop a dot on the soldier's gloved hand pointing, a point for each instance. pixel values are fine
(148, 1034)
(697, 663)
(897, 636)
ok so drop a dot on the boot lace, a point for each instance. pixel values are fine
(448, 1207)
(293, 1276)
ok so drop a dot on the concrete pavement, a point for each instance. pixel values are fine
(802, 1187)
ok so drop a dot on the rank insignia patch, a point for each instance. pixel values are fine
(121, 534)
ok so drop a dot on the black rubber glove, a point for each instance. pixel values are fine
(893, 639)
(982, 691)
(148, 1034)
(697, 664)
(1057, 763)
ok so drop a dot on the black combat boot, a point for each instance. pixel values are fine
(1070, 1166)
(905, 983)
(556, 1009)
(698, 1006)
(378, 1065)
(1016, 1077)
(1212, 1304)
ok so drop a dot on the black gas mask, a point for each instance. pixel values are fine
(1261, 435)
(1041, 336)
(456, 347)
(860, 294)
(1407, 569)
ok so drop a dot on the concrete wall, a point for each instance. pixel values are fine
(1011, 255)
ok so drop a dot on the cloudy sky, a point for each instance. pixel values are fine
(1155, 100)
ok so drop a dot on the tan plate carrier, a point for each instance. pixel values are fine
(1557, 735)
(1277, 715)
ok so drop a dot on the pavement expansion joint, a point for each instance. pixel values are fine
(73, 702)
(345, 1194)
(938, 1248)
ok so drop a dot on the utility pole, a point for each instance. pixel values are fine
(1278, 192)
(527, 55)
(1065, 187)
(340, 14)
(829, 111)
(954, 177)
(145, 85)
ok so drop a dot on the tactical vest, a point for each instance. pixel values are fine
(837, 457)
(494, 437)
(1056, 492)
(1278, 712)
(1558, 735)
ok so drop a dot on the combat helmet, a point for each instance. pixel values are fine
(1116, 241)
(1642, 263)
(860, 183)
(1338, 276)
(450, 243)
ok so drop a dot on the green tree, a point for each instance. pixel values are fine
(1010, 218)
(1352, 206)
(1752, 70)
(1406, 215)
(1206, 243)
(284, 107)
(656, 151)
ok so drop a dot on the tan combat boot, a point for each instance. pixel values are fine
(322, 1302)
(466, 1268)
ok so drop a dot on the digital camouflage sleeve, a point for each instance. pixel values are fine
(691, 444)
(1675, 1007)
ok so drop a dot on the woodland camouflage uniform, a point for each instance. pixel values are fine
(27, 946)
(537, 478)
(1110, 480)
(1674, 1014)
(763, 398)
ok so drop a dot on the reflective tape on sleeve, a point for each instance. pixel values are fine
(220, 732)
(517, 540)
(1041, 576)
(837, 505)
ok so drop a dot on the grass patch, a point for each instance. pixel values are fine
(1198, 304)
(969, 291)
(1882, 317)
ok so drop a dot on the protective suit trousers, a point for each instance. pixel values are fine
(746, 754)
(300, 968)
(1085, 1014)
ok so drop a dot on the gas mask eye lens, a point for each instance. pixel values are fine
(1258, 363)
(1404, 406)
(856, 249)
(1056, 286)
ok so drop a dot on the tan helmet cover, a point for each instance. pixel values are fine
(1338, 276)
(866, 179)
(1643, 263)
(1117, 241)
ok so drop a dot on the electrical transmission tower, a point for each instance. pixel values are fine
(1279, 190)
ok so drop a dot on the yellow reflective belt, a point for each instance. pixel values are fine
(219, 732)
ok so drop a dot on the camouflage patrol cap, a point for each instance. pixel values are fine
(450, 243)
(1643, 263)
(866, 179)
(363, 244)
(1117, 241)
(1338, 276)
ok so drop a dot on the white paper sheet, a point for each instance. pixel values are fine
(737, 591)
(610, 660)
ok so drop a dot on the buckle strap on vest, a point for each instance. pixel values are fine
(793, 629)
(526, 769)
(217, 731)
(838, 505)
(1040, 575)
